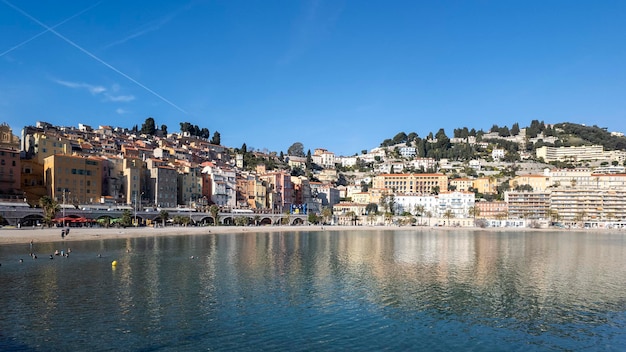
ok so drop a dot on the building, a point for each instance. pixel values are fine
(589, 152)
(461, 184)
(73, 179)
(528, 205)
(457, 202)
(569, 204)
(492, 210)
(537, 182)
(412, 183)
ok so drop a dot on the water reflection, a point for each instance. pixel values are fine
(389, 289)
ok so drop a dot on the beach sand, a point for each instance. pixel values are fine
(25, 235)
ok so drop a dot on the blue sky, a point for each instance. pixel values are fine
(341, 75)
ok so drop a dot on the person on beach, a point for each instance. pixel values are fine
(63, 233)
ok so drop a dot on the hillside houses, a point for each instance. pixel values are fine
(85, 165)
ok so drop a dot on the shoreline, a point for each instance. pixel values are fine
(25, 235)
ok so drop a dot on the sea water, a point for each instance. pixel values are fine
(403, 290)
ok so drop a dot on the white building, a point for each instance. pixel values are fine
(408, 152)
(224, 182)
(458, 202)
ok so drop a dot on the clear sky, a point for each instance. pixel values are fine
(341, 75)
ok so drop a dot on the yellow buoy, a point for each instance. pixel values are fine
(114, 263)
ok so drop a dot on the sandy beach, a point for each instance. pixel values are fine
(25, 235)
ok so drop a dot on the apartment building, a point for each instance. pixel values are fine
(588, 152)
(457, 202)
(78, 177)
(412, 183)
(10, 165)
(537, 182)
(528, 205)
(492, 210)
(413, 203)
(280, 190)
(485, 185)
(461, 184)
(588, 204)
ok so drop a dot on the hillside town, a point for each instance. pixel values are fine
(538, 183)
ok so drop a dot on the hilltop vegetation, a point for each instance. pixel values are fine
(470, 143)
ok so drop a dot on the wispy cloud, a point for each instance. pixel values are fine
(121, 111)
(98, 90)
(48, 30)
(94, 90)
(86, 52)
(151, 26)
(120, 98)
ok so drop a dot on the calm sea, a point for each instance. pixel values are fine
(319, 291)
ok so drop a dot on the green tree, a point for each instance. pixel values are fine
(164, 129)
(164, 215)
(474, 211)
(216, 138)
(313, 218)
(327, 213)
(148, 127)
(241, 221)
(126, 219)
(50, 208)
(448, 214)
(214, 211)
(296, 149)
(371, 208)
(419, 210)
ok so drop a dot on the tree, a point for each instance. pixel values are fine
(148, 127)
(448, 214)
(327, 213)
(50, 208)
(164, 129)
(429, 214)
(371, 208)
(216, 138)
(474, 211)
(127, 218)
(313, 218)
(214, 211)
(309, 159)
(296, 149)
(419, 210)
(164, 215)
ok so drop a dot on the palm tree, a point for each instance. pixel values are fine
(474, 211)
(419, 210)
(50, 208)
(327, 213)
(164, 215)
(429, 214)
(214, 210)
(286, 218)
(448, 215)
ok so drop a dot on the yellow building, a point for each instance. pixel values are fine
(361, 197)
(462, 184)
(537, 182)
(77, 179)
(486, 185)
(412, 183)
(47, 145)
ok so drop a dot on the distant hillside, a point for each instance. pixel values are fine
(572, 134)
